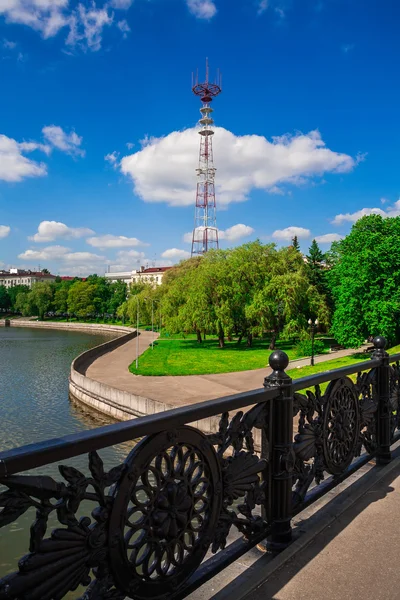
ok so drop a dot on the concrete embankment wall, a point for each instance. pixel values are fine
(92, 327)
(108, 400)
(104, 398)
(111, 401)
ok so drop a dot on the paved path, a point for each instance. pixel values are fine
(357, 557)
(112, 369)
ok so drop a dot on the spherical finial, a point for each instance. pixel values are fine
(380, 342)
(278, 360)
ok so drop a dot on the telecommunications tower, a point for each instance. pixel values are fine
(205, 232)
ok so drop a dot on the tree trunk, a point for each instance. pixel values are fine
(249, 339)
(198, 333)
(273, 340)
(221, 337)
(229, 337)
(240, 339)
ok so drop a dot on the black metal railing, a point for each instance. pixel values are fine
(159, 522)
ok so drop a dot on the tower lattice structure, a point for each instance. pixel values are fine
(205, 231)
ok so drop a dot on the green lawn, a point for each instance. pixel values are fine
(335, 363)
(187, 357)
(177, 356)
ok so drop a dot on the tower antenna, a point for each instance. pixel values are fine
(205, 231)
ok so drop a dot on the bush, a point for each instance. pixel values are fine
(304, 348)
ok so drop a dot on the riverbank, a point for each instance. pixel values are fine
(100, 378)
(109, 387)
(74, 326)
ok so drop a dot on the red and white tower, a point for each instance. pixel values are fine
(205, 232)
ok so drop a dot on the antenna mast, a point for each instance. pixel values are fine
(205, 231)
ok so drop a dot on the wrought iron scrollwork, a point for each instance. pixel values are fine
(165, 512)
(332, 428)
(241, 470)
(394, 390)
(155, 517)
(64, 561)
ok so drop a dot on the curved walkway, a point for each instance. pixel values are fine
(113, 370)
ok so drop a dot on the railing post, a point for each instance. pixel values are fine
(383, 430)
(281, 453)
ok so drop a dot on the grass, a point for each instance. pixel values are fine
(175, 355)
(335, 363)
(172, 356)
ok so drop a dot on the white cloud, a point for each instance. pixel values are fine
(14, 166)
(328, 238)
(164, 169)
(49, 253)
(83, 22)
(124, 27)
(86, 26)
(391, 211)
(76, 263)
(175, 254)
(236, 232)
(278, 6)
(202, 9)
(48, 231)
(10, 45)
(262, 6)
(125, 255)
(353, 217)
(130, 145)
(290, 232)
(112, 158)
(83, 257)
(66, 142)
(4, 231)
(232, 234)
(114, 241)
(122, 4)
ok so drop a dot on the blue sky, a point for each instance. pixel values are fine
(98, 146)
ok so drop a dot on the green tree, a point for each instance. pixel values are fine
(60, 301)
(288, 297)
(81, 298)
(295, 243)
(24, 303)
(117, 295)
(41, 296)
(101, 293)
(315, 262)
(5, 300)
(13, 293)
(365, 281)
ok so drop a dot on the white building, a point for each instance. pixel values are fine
(152, 275)
(125, 276)
(15, 277)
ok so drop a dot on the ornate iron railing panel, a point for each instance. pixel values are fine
(156, 520)
(394, 389)
(154, 517)
(332, 429)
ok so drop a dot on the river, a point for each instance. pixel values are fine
(34, 406)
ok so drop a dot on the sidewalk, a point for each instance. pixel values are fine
(357, 557)
(112, 369)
